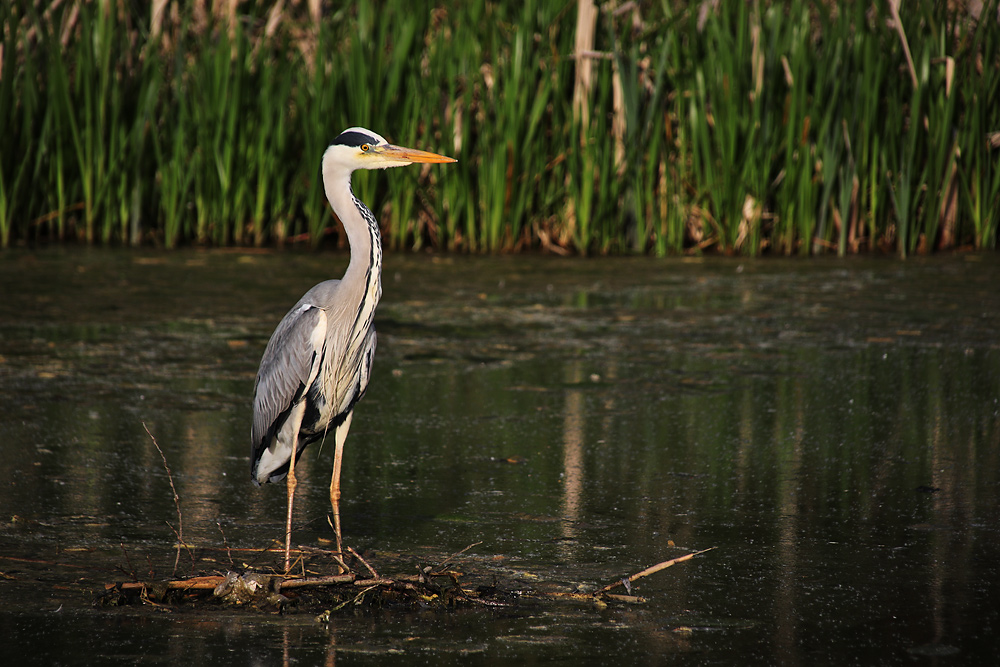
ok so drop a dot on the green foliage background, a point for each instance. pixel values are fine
(743, 127)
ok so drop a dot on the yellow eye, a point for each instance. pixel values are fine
(364, 148)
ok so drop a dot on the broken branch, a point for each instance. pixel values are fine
(651, 570)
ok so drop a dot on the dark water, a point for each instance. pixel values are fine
(832, 427)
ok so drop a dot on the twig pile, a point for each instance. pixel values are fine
(444, 585)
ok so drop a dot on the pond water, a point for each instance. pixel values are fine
(831, 427)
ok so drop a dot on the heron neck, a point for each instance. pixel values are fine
(365, 268)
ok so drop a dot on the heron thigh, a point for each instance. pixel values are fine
(273, 465)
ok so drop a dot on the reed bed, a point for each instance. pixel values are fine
(741, 127)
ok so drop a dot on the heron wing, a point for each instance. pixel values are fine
(365, 368)
(289, 364)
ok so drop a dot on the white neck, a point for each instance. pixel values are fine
(362, 282)
(362, 235)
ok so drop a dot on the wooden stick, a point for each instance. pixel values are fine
(129, 561)
(318, 581)
(363, 562)
(338, 555)
(195, 583)
(225, 542)
(377, 581)
(652, 570)
(210, 582)
(180, 519)
(457, 553)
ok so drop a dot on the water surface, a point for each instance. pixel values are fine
(832, 427)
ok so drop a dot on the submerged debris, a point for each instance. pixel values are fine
(248, 588)
(311, 590)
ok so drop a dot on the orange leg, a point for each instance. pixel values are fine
(291, 483)
(338, 457)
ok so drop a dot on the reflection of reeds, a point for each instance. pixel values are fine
(796, 127)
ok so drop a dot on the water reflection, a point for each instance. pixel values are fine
(573, 463)
(832, 427)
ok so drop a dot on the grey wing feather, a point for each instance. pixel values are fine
(358, 374)
(365, 372)
(284, 371)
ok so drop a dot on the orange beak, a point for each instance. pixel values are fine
(412, 154)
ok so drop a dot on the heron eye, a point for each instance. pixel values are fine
(364, 148)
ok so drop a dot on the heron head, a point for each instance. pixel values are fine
(358, 148)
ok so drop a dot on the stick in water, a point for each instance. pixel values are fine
(177, 504)
(652, 570)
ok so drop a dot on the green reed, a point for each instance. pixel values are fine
(18, 113)
(791, 127)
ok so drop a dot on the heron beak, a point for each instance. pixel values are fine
(412, 154)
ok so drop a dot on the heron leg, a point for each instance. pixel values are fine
(290, 483)
(338, 456)
(289, 436)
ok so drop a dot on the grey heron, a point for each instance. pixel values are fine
(318, 361)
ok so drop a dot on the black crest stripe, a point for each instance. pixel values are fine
(354, 139)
